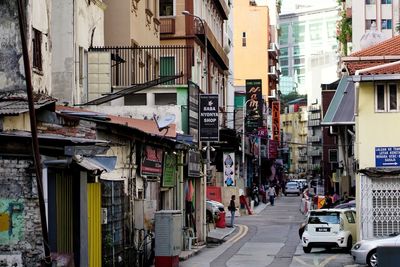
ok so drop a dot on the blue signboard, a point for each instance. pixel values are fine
(387, 156)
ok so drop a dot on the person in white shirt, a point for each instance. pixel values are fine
(271, 194)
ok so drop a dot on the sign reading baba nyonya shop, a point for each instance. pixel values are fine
(209, 121)
(152, 159)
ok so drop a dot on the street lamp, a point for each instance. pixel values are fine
(208, 147)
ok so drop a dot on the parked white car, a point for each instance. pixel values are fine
(364, 251)
(329, 228)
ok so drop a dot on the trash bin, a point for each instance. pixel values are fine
(220, 222)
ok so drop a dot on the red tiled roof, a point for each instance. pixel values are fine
(353, 66)
(147, 126)
(390, 47)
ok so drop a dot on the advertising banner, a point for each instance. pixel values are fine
(254, 105)
(169, 173)
(151, 164)
(229, 169)
(209, 121)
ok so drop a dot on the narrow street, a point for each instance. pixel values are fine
(269, 238)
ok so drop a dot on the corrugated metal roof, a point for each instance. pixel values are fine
(76, 140)
(341, 108)
(92, 164)
(17, 104)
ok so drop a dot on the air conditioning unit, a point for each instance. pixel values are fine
(273, 94)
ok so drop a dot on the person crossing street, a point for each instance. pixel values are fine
(271, 194)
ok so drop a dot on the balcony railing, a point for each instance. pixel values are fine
(142, 64)
(167, 25)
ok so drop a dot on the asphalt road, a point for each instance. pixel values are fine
(271, 239)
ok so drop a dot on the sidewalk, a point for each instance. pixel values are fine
(218, 235)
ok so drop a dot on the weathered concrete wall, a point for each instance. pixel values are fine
(11, 64)
(20, 229)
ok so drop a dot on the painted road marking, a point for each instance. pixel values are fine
(316, 261)
(241, 233)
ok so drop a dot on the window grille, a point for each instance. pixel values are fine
(37, 50)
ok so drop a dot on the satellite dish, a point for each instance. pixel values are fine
(164, 122)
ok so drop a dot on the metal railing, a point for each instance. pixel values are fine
(142, 64)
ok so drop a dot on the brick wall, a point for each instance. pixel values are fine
(20, 229)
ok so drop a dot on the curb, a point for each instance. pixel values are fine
(193, 253)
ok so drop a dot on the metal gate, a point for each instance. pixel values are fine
(379, 206)
(113, 230)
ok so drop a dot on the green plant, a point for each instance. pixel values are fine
(344, 31)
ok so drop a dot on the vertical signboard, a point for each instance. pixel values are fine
(169, 171)
(209, 118)
(151, 164)
(193, 110)
(276, 120)
(194, 164)
(229, 169)
(254, 105)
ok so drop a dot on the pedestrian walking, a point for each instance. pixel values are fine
(232, 209)
(271, 194)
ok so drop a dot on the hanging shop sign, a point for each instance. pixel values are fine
(194, 164)
(169, 171)
(276, 121)
(152, 159)
(254, 105)
(229, 169)
(272, 149)
(209, 121)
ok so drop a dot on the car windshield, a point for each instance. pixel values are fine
(291, 184)
(324, 218)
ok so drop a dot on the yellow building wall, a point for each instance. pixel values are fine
(20, 122)
(251, 61)
(126, 21)
(374, 129)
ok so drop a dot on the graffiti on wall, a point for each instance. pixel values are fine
(11, 221)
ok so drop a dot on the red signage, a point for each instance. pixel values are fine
(273, 149)
(276, 121)
(214, 193)
(152, 159)
(262, 132)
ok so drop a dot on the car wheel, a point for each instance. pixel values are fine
(306, 249)
(372, 259)
(349, 243)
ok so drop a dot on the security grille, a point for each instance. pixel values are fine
(380, 206)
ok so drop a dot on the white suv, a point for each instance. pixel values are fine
(328, 228)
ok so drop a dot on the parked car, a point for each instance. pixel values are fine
(329, 228)
(348, 205)
(213, 209)
(292, 188)
(364, 251)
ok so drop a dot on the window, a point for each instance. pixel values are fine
(285, 71)
(284, 34)
(316, 29)
(350, 217)
(386, 24)
(165, 99)
(166, 8)
(333, 155)
(135, 100)
(386, 2)
(299, 61)
(368, 23)
(370, 2)
(284, 62)
(299, 30)
(297, 50)
(392, 97)
(386, 98)
(37, 50)
(284, 51)
(244, 39)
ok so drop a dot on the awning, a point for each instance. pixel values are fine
(101, 163)
(341, 108)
